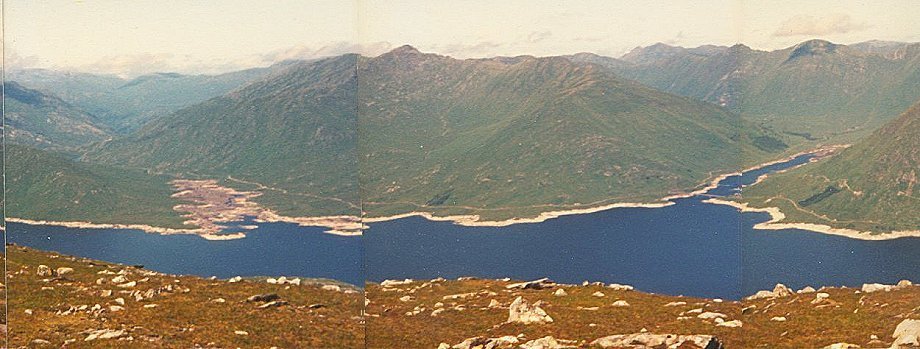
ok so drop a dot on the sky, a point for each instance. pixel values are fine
(129, 38)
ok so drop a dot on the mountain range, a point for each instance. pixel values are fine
(812, 91)
(124, 105)
(45, 121)
(292, 131)
(506, 137)
(500, 137)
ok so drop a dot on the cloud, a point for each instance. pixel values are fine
(536, 37)
(131, 65)
(15, 61)
(677, 39)
(480, 49)
(818, 26)
(128, 66)
(333, 49)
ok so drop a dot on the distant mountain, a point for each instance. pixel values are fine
(43, 185)
(811, 91)
(500, 137)
(509, 137)
(879, 47)
(125, 105)
(874, 185)
(292, 131)
(44, 121)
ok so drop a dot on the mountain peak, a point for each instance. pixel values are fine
(812, 48)
(405, 50)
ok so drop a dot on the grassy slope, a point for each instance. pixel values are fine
(44, 121)
(47, 186)
(181, 319)
(871, 186)
(807, 325)
(513, 137)
(292, 132)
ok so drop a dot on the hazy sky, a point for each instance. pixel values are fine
(135, 37)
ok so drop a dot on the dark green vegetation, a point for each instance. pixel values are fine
(872, 185)
(511, 137)
(124, 105)
(290, 135)
(46, 186)
(813, 91)
(45, 121)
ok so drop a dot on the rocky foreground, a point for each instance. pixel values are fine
(497, 314)
(61, 301)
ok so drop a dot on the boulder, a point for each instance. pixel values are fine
(732, 324)
(548, 342)
(533, 285)
(779, 290)
(620, 303)
(807, 289)
(61, 271)
(618, 287)
(821, 297)
(523, 312)
(905, 283)
(43, 270)
(598, 294)
(104, 334)
(391, 283)
(560, 293)
(267, 297)
(869, 288)
(506, 342)
(711, 315)
(841, 346)
(906, 335)
(273, 304)
(494, 304)
(650, 340)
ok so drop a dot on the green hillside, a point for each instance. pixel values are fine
(871, 186)
(44, 121)
(293, 132)
(41, 185)
(815, 91)
(510, 137)
(125, 105)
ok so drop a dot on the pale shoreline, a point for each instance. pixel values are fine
(776, 216)
(474, 220)
(345, 225)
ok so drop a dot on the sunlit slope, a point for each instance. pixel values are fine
(871, 186)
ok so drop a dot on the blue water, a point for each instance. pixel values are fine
(690, 248)
(274, 249)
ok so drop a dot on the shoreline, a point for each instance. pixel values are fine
(345, 225)
(776, 216)
(474, 220)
